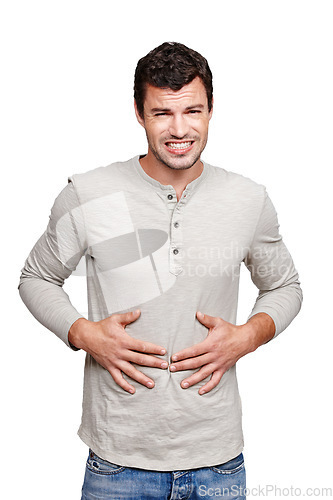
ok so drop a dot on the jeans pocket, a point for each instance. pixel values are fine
(233, 466)
(100, 466)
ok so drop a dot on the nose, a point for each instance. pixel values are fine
(178, 126)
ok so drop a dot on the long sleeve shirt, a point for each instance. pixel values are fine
(144, 249)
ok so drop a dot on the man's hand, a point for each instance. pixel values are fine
(224, 345)
(110, 345)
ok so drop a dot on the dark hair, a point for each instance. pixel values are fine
(171, 65)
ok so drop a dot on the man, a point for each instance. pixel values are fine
(164, 236)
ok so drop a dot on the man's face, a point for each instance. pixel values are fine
(176, 124)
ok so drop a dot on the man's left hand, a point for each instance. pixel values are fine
(224, 345)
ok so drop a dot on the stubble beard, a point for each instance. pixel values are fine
(173, 165)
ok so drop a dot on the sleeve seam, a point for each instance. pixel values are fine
(259, 216)
(71, 179)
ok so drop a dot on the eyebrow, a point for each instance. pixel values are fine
(167, 110)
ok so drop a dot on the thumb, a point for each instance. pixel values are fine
(205, 319)
(128, 317)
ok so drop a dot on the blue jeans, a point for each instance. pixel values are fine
(105, 480)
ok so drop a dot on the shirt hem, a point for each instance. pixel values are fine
(136, 461)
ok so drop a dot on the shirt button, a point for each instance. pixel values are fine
(176, 224)
(170, 196)
(176, 251)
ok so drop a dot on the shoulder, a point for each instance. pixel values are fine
(100, 181)
(234, 179)
(237, 185)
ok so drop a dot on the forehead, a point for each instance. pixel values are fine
(192, 93)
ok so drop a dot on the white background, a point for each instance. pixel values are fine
(67, 107)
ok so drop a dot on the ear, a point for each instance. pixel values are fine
(138, 117)
(211, 111)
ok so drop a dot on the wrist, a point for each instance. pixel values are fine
(76, 333)
(259, 329)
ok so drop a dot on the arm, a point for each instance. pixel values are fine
(278, 302)
(53, 258)
(273, 272)
(261, 329)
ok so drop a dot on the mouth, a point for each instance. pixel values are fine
(179, 147)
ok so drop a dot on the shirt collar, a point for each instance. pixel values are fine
(191, 186)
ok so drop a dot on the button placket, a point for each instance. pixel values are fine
(176, 239)
(171, 200)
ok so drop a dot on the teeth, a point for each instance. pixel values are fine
(179, 145)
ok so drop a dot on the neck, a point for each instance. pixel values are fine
(170, 176)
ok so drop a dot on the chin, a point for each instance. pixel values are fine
(180, 163)
(179, 167)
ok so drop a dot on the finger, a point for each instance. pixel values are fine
(191, 363)
(135, 374)
(146, 360)
(126, 318)
(209, 321)
(143, 346)
(198, 376)
(215, 379)
(191, 352)
(119, 379)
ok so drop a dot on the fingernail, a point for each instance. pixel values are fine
(185, 385)
(163, 351)
(132, 391)
(200, 314)
(137, 311)
(202, 392)
(172, 368)
(164, 365)
(150, 384)
(174, 358)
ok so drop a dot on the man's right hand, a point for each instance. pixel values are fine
(110, 345)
